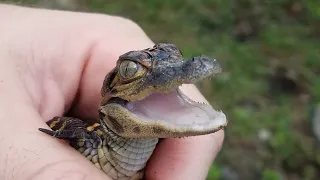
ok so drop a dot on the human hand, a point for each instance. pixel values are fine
(52, 59)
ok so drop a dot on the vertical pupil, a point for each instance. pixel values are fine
(127, 73)
(128, 69)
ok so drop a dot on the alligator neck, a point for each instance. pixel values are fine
(127, 155)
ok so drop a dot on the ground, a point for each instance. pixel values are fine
(270, 54)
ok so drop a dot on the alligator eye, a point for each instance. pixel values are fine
(128, 69)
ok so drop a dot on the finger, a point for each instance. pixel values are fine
(186, 158)
(28, 86)
(25, 152)
(118, 38)
(79, 52)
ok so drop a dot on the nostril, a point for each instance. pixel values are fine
(196, 63)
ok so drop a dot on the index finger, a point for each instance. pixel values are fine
(186, 158)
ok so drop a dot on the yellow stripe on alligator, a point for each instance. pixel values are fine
(99, 132)
(54, 123)
(63, 125)
(91, 128)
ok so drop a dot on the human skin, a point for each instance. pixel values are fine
(53, 62)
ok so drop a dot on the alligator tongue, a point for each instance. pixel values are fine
(177, 110)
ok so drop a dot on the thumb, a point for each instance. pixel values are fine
(25, 152)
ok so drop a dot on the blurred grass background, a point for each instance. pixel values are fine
(270, 53)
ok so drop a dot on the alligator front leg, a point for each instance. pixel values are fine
(86, 139)
(120, 158)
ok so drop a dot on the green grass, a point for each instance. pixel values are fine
(253, 40)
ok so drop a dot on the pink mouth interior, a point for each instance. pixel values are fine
(177, 110)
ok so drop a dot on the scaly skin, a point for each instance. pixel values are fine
(130, 121)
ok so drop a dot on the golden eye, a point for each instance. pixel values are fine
(128, 69)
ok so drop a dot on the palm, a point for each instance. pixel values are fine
(57, 63)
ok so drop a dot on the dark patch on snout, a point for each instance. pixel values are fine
(116, 125)
(136, 130)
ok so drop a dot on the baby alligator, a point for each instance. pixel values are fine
(141, 102)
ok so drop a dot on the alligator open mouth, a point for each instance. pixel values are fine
(170, 114)
(176, 110)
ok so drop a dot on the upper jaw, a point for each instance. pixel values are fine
(167, 77)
